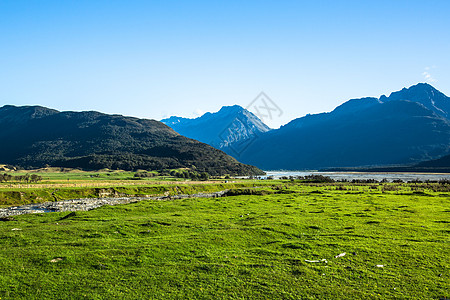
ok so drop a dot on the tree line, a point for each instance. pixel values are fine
(33, 178)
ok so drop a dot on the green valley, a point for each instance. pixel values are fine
(286, 240)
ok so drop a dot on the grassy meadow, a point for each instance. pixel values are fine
(281, 241)
(60, 177)
(57, 185)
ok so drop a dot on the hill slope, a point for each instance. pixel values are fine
(441, 164)
(34, 136)
(402, 129)
(221, 129)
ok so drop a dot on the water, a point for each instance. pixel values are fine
(362, 176)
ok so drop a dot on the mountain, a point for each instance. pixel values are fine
(405, 128)
(424, 94)
(229, 125)
(34, 136)
(441, 164)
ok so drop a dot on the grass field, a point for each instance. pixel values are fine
(73, 177)
(280, 244)
(73, 184)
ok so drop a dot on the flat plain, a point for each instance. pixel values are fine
(286, 240)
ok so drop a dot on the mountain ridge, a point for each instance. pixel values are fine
(424, 94)
(369, 131)
(35, 136)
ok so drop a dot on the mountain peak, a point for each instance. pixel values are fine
(231, 108)
(218, 129)
(418, 90)
(424, 94)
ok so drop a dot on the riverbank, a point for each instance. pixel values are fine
(20, 196)
(88, 204)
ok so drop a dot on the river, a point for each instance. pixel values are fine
(362, 176)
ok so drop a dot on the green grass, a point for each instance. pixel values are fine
(77, 176)
(15, 196)
(239, 247)
(73, 184)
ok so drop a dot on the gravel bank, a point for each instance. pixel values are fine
(91, 203)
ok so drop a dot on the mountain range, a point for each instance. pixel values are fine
(229, 126)
(409, 129)
(35, 136)
(406, 128)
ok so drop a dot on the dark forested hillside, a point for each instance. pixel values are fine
(33, 136)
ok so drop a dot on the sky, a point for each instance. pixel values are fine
(154, 59)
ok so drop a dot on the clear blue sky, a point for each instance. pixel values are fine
(153, 59)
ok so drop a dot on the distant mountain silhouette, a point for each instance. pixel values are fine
(34, 136)
(229, 125)
(426, 95)
(405, 128)
(440, 163)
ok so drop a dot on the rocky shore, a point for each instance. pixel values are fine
(91, 203)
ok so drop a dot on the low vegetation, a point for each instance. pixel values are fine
(291, 240)
(33, 178)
